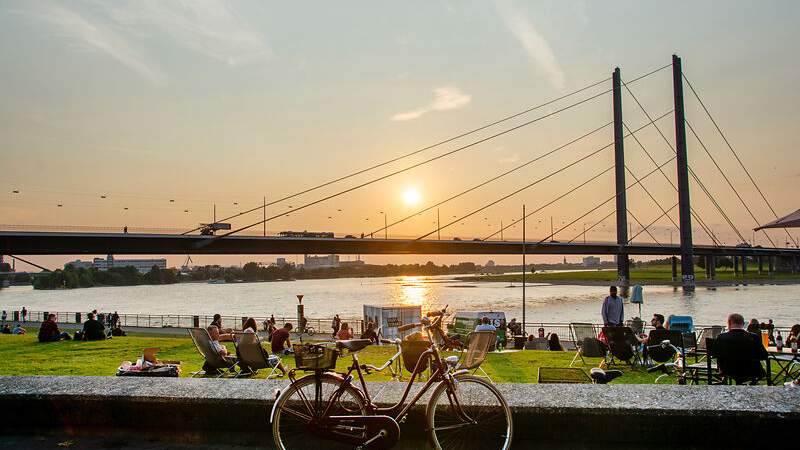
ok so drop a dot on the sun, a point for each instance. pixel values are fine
(411, 196)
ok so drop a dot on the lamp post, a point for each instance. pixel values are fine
(385, 227)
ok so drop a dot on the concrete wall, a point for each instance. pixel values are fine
(563, 416)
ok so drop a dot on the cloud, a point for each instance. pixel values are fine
(509, 159)
(209, 27)
(445, 99)
(535, 45)
(90, 35)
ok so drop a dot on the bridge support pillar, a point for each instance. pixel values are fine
(711, 263)
(760, 265)
(684, 205)
(674, 268)
(735, 266)
(744, 266)
(623, 264)
(771, 264)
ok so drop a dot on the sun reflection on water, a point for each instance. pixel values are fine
(414, 291)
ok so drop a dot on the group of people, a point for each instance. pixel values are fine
(93, 329)
(5, 326)
(739, 351)
(279, 338)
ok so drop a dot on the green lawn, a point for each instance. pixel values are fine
(653, 274)
(23, 355)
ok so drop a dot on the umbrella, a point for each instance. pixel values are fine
(637, 296)
(790, 221)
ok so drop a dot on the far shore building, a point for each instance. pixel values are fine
(591, 262)
(141, 265)
(320, 262)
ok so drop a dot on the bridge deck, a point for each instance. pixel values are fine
(68, 243)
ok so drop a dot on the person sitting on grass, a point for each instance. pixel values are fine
(345, 332)
(250, 326)
(794, 334)
(93, 330)
(553, 343)
(370, 333)
(18, 329)
(213, 333)
(6, 329)
(280, 343)
(49, 331)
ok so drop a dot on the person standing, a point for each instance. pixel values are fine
(335, 324)
(612, 310)
(5, 316)
(24, 314)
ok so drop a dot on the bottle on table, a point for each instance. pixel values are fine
(779, 341)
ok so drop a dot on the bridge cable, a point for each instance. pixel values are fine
(693, 212)
(29, 263)
(484, 183)
(691, 172)
(654, 221)
(445, 141)
(713, 160)
(550, 236)
(391, 174)
(563, 195)
(415, 152)
(641, 225)
(593, 226)
(736, 155)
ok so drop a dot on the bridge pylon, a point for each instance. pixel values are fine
(684, 204)
(623, 263)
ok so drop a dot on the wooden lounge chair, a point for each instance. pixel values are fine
(225, 366)
(252, 356)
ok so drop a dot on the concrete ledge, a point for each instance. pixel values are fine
(236, 411)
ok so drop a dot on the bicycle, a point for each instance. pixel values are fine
(325, 408)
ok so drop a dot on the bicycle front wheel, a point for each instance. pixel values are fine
(473, 415)
(295, 411)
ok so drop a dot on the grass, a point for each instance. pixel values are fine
(653, 274)
(24, 355)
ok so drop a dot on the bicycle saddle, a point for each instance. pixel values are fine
(354, 345)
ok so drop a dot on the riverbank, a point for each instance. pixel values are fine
(648, 275)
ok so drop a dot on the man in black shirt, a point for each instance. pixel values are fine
(93, 330)
(739, 353)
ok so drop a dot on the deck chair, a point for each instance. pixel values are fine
(567, 375)
(478, 343)
(665, 357)
(225, 366)
(622, 346)
(253, 357)
(585, 337)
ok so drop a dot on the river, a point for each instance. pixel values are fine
(345, 296)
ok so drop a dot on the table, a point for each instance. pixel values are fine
(788, 363)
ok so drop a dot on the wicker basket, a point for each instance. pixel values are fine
(411, 351)
(314, 357)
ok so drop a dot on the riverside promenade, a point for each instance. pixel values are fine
(167, 412)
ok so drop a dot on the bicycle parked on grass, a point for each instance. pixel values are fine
(325, 409)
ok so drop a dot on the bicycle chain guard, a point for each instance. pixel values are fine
(373, 432)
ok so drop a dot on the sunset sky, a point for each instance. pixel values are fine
(208, 102)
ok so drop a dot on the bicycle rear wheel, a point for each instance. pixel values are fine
(473, 416)
(291, 425)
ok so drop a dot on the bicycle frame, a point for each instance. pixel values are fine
(397, 411)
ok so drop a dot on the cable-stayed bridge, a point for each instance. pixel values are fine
(378, 241)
